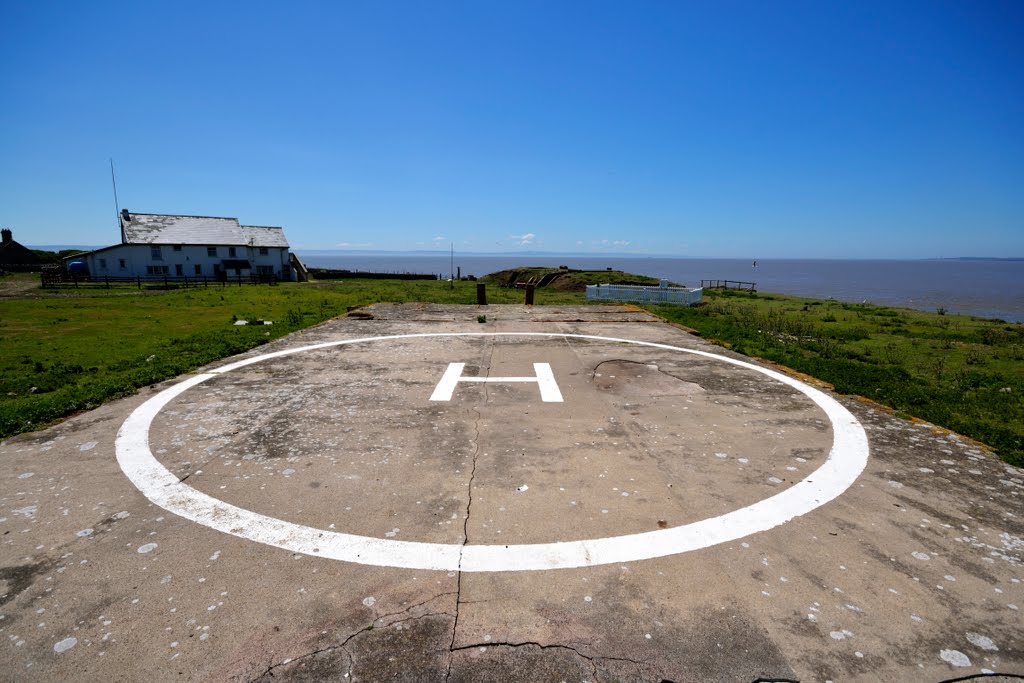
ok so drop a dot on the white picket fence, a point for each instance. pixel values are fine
(645, 295)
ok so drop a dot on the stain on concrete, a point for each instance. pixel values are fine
(501, 662)
(17, 579)
(719, 645)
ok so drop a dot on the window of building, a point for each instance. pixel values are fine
(231, 252)
(177, 247)
(103, 264)
(154, 253)
(179, 269)
(264, 270)
(121, 264)
(199, 269)
(157, 270)
(264, 251)
(211, 251)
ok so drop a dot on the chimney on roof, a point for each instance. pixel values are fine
(125, 216)
(8, 236)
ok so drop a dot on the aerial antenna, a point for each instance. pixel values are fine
(113, 181)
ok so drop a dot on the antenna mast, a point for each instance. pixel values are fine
(117, 208)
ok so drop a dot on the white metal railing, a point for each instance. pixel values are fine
(646, 295)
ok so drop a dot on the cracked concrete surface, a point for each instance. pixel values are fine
(323, 663)
(913, 574)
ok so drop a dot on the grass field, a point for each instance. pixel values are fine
(64, 352)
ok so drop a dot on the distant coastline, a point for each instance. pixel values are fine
(556, 254)
(619, 255)
(982, 258)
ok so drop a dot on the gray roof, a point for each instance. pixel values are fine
(264, 236)
(153, 228)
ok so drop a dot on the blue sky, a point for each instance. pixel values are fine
(732, 129)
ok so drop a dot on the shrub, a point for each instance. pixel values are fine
(993, 336)
(975, 357)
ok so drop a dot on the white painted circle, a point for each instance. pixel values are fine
(846, 460)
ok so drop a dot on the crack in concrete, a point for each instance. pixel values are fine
(455, 626)
(593, 373)
(465, 523)
(376, 623)
(476, 455)
(452, 649)
(645, 363)
(592, 660)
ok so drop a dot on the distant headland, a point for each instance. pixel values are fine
(981, 258)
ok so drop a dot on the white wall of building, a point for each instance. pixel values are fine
(145, 260)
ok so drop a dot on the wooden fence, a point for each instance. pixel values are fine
(334, 274)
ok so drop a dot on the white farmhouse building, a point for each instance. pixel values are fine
(157, 246)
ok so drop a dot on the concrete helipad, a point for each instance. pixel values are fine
(578, 494)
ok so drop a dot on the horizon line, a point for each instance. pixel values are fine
(577, 254)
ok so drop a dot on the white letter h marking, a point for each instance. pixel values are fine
(545, 379)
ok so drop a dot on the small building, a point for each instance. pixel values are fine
(160, 245)
(14, 256)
